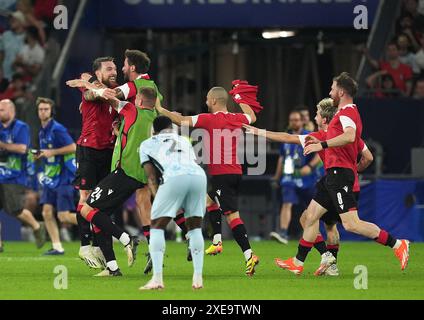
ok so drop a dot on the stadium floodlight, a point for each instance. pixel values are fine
(274, 34)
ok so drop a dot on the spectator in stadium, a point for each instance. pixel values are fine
(4, 83)
(11, 43)
(405, 25)
(382, 85)
(14, 144)
(421, 7)
(58, 161)
(401, 73)
(25, 6)
(298, 177)
(15, 90)
(419, 56)
(44, 10)
(30, 59)
(411, 7)
(306, 118)
(405, 54)
(419, 89)
(7, 4)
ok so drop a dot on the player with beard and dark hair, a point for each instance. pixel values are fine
(94, 152)
(136, 66)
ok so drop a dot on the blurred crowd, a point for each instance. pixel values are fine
(24, 29)
(400, 71)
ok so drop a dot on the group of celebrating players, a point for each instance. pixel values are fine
(129, 144)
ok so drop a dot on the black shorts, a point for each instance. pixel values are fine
(334, 190)
(92, 166)
(331, 217)
(113, 191)
(224, 190)
(12, 198)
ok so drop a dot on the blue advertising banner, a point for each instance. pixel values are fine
(233, 13)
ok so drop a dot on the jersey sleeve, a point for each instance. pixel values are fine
(144, 157)
(245, 118)
(63, 138)
(348, 118)
(201, 120)
(302, 139)
(129, 90)
(22, 136)
(126, 109)
(319, 135)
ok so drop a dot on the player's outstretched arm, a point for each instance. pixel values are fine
(365, 161)
(152, 179)
(248, 110)
(80, 83)
(273, 136)
(175, 117)
(102, 94)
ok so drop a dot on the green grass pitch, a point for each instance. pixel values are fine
(26, 274)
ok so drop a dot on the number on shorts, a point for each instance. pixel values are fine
(97, 193)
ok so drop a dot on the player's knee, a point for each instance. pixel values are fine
(302, 219)
(47, 215)
(84, 195)
(63, 217)
(193, 223)
(309, 219)
(234, 215)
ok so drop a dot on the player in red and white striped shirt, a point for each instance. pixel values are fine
(223, 132)
(337, 190)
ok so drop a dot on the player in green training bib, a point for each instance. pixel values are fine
(125, 179)
(136, 126)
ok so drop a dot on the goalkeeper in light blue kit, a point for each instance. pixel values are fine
(176, 181)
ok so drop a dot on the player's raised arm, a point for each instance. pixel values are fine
(273, 136)
(100, 94)
(81, 83)
(248, 110)
(175, 117)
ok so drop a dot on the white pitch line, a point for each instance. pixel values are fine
(9, 259)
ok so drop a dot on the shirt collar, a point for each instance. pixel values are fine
(143, 76)
(350, 105)
(49, 125)
(9, 126)
(220, 112)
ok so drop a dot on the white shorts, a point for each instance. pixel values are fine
(186, 192)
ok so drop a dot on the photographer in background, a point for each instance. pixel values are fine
(14, 143)
(58, 162)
